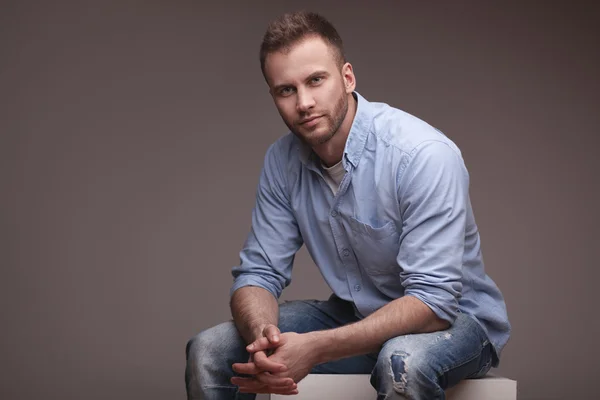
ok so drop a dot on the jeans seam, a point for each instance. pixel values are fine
(218, 387)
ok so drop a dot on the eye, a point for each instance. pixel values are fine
(285, 91)
(316, 79)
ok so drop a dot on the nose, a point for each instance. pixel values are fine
(304, 101)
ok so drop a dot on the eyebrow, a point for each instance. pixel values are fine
(308, 78)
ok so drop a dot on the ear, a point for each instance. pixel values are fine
(348, 77)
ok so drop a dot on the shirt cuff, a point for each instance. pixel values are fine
(442, 303)
(253, 280)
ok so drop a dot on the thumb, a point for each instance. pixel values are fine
(272, 333)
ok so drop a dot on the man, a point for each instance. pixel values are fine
(380, 199)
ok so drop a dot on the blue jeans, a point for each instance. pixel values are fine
(417, 366)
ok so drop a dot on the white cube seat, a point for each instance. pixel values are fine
(358, 387)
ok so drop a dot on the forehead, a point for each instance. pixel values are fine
(299, 61)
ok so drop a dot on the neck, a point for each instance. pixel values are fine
(332, 151)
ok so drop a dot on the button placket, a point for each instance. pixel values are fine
(352, 273)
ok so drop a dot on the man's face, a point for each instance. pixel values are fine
(309, 89)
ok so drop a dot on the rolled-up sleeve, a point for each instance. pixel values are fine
(268, 253)
(433, 195)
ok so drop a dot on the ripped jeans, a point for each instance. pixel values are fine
(417, 366)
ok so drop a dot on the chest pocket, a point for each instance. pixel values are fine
(376, 248)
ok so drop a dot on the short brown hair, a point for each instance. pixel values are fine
(291, 28)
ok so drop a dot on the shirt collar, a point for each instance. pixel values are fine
(355, 143)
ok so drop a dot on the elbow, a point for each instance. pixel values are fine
(437, 324)
(442, 304)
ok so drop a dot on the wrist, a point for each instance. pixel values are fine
(256, 332)
(322, 345)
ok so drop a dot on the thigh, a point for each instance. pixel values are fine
(444, 357)
(302, 316)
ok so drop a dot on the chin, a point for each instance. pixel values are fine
(315, 140)
(314, 137)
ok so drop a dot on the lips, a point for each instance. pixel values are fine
(308, 120)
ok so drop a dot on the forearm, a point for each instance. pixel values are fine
(400, 317)
(252, 308)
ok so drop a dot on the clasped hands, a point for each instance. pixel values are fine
(291, 358)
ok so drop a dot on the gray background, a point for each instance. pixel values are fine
(132, 135)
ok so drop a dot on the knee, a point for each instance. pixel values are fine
(208, 344)
(406, 374)
(195, 346)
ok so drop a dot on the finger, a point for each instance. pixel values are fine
(271, 332)
(273, 380)
(264, 363)
(252, 368)
(260, 344)
(248, 385)
(249, 368)
(251, 385)
(268, 391)
(262, 380)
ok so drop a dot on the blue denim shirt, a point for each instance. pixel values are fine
(400, 224)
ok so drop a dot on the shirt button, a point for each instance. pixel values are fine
(357, 288)
(345, 252)
(334, 213)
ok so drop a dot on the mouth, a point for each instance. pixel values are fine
(310, 121)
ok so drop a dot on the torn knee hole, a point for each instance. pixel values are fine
(399, 369)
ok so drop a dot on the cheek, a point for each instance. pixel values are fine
(333, 93)
(286, 109)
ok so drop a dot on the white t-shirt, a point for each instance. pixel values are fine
(334, 175)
